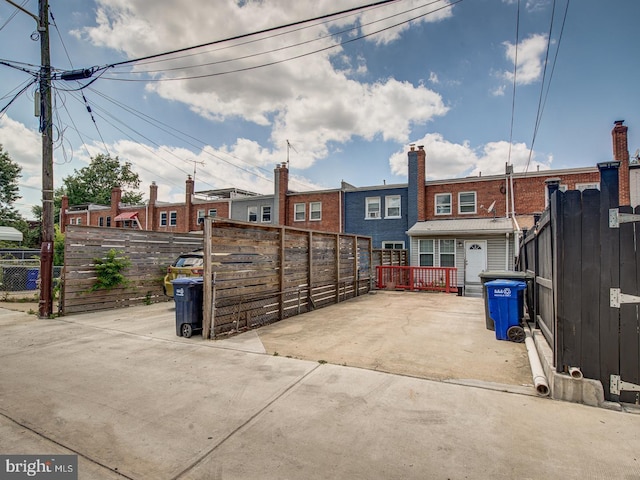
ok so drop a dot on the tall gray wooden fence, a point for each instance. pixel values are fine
(584, 256)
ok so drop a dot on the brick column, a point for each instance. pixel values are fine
(281, 187)
(621, 154)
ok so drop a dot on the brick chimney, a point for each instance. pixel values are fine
(416, 193)
(281, 187)
(189, 189)
(63, 213)
(152, 218)
(116, 197)
(621, 154)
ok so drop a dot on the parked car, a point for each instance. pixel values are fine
(186, 265)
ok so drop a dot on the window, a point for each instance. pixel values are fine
(163, 219)
(562, 188)
(213, 212)
(252, 214)
(299, 214)
(392, 204)
(373, 207)
(266, 214)
(585, 186)
(425, 252)
(443, 204)
(467, 202)
(200, 216)
(393, 245)
(448, 253)
(173, 218)
(108, 221)
(72, 221)
(101, 222)
(79, 221)
(315, 211)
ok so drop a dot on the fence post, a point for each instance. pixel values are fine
(207, 300)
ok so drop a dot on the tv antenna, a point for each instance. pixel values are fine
(289, 147)
(195, 163)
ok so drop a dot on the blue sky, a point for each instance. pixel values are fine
(349, 111)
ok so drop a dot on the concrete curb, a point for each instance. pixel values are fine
(564, 387)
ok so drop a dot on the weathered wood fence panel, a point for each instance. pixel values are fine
(149, 253)
(264, 274)
(390, 258)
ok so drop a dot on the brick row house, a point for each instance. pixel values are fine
(471, 223)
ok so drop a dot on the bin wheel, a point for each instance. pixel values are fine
(187, 331)
(516, 334)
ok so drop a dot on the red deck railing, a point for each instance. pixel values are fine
(437, 279)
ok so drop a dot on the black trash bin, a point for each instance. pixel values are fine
(491, 275)
(187, 293)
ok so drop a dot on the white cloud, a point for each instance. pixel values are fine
(315, 99)
(530, 52)
(445, 159)
(433, 78)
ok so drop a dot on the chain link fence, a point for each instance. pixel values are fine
(22, 275)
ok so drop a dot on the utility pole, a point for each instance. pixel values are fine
(45, 307)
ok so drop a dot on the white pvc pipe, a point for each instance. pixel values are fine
(539, 379)
(575, 373)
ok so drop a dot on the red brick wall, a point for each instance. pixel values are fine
(421, 200)
(621, 154)
(331, 218)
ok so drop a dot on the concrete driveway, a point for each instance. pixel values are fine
(134, 401)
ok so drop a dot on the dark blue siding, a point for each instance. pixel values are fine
(380, 229)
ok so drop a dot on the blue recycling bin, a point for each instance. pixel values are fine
(187, 293)
(32, 278)
(506, 308)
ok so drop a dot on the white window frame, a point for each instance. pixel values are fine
(467, 204)
(372, 214)
(164, 219)
(173, 218)
(422, 242)
(299, 212)
(252, 211)
(448, 205)
(446, 241)
(213, 212)
(79, 221)
(563, 187)
(394, 245)
(263, 213)
(315, 211)
(387, 207)
(200, 216)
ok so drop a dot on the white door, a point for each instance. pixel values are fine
(475, 260)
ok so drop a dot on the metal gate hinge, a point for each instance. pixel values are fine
(616, 298)
(618, 385)
(616, 218)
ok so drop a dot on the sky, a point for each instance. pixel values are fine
(340, 98)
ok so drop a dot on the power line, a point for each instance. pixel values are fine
(515, 73)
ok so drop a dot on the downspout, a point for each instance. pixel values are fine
(146, 215)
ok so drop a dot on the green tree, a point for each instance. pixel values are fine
(10, 172)
(93, 184)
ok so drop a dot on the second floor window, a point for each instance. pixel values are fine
(443, 204)
(200, 216)
(373, 207)
(163, 219)
(392, 204)
(266, 214)
(173, 219)
(101, 222)
(252, 214)
(467, 202)
(315, 211)
(299, 212)
(213, 212)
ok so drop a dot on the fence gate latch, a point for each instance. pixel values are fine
(618, 385)
(616, 298)
(616, 218)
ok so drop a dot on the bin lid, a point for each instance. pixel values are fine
(505, 274)
(187, 281)
(518, 285)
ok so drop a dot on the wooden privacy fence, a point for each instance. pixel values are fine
(149, 254)
(433, 279)
(264, 274)
(390, 257)
(584, 256)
